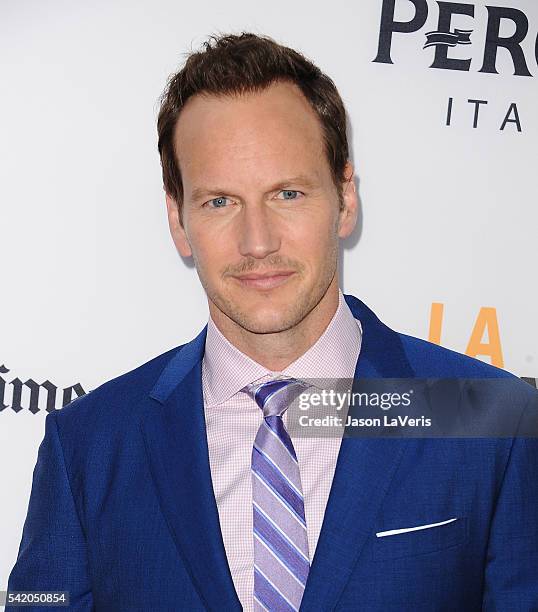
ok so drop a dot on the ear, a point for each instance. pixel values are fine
(348, 215)
(177, 230)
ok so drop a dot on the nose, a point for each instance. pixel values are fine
(258, 231)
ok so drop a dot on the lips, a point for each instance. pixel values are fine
(268, 280)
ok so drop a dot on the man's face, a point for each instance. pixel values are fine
(259, 199)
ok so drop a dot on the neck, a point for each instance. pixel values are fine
(277, 351)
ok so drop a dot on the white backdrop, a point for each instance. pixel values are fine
(91, 284)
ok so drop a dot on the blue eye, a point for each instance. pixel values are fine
(217, 201)
(290, 194)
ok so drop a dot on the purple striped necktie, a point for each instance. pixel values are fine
(281, 559)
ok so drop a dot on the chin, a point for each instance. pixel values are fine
(266, 318)
(263, 313)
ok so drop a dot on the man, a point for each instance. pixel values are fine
(178, 487)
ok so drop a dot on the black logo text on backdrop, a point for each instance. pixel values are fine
(32, 396)
(447, 37)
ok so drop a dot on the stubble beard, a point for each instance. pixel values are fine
(304, 301)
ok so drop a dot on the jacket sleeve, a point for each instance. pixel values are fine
(52, 554)
(511, 575)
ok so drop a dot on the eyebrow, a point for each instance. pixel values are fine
(299, 180)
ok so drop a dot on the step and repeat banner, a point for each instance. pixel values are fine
(443, 122)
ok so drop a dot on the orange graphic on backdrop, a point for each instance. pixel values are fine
(486, 324)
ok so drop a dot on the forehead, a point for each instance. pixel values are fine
(271, 131)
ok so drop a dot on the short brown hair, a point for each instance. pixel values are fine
(235, 64)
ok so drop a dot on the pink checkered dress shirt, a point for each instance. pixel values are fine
(232, 420)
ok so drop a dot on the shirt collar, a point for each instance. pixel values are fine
(226, 369)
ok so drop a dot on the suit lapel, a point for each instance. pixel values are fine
(175, 435)
(363, 472)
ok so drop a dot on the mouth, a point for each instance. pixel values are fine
(264, 281)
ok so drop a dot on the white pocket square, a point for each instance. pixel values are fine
(382, 534)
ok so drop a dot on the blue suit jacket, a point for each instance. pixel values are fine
(123, 516)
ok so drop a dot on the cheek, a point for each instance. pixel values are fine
(314, 245)
(314, 232)
(211, 251)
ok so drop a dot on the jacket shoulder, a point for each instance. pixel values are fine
(123, 392)
(426, 359)
(432, 360)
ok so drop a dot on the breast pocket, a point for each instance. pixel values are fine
(407, 541)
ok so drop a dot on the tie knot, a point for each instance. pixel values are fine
(275, 396)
